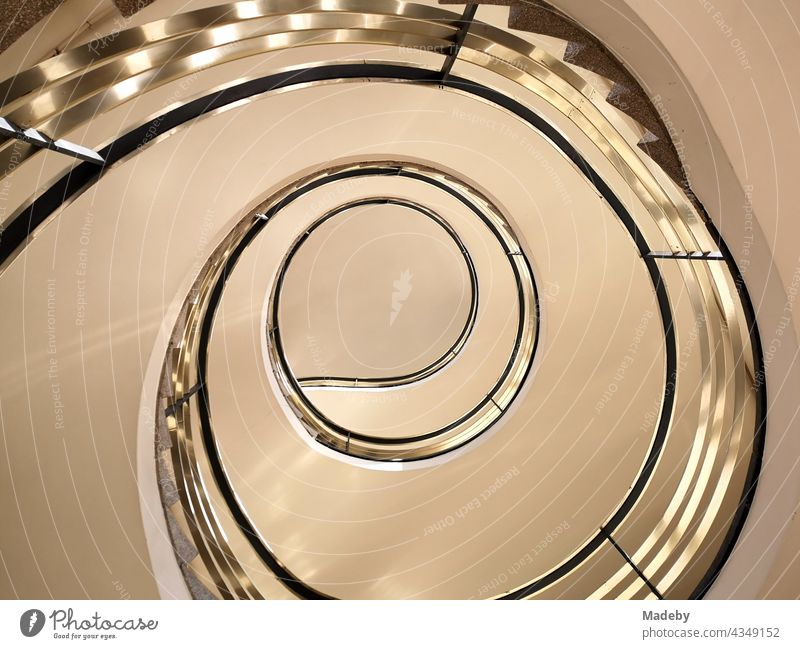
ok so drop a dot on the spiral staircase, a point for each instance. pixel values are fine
(378, 299)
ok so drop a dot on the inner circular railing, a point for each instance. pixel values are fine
(499, 393)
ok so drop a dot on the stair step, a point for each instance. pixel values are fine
(497, 15)
(595, 58)
(585, 51)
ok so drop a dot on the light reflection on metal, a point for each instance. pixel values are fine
(37, 139)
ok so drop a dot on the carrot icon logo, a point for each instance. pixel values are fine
(31, 622)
